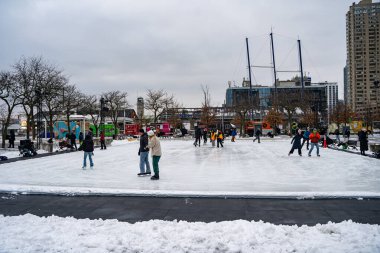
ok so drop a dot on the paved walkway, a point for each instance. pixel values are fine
(134, 209)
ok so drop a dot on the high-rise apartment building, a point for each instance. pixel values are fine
(363, 56)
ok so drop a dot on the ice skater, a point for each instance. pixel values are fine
(198, 135)
(314, 139)
(155, 149)
(205, 135)
(144, 154)
(12, 138)
(233, 134)
(296, 141)
(220, 138)
(102, 140)
(306, 139)
(257, 135)
(88, 149)
(363, 140)
(213, 137)
(73, 138)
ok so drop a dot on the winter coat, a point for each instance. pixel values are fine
(220, 136)
(213, 136)
(88, 144)
(144, 143)
(81, 137)
(12, 136)
(102, 138)
(314, 138)
(198, 133)
(258, 132)
(73, 137)
(297, 141)
(306, 135)
(154, 146)
(363, 139)
(233, 132)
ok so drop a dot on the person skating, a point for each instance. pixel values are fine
(213, 137)
(363, 140)
(220, 138)
(155, 150)
(81, 137)
(233, 134)
(296, 141)
(257, 135)
(306, 139)
(88, 149)
(102, 140)
(205, 135)
(144, 154)
(314, 139)
(198, 134)
(73, 138)
(12, 138)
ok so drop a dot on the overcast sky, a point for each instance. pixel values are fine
(175, 45)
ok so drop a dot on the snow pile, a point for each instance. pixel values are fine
(29, 233)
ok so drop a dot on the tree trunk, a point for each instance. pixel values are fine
(51, 128)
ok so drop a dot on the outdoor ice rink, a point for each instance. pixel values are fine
(242, 168)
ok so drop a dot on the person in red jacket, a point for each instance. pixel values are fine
(102, 140)
(314, 139)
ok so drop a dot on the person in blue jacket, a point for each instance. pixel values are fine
(306, 138)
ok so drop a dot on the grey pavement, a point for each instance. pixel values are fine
(134, 209)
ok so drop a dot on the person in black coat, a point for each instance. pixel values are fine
(144, 154)
(12, 138)
(363, 139)
(73, 137)
(88, 149)
(257, 135)
(198, 136)
(81, 138)
(296, 141)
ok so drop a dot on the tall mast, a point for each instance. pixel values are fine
(274, 67)
(301, 68)
(250, 79)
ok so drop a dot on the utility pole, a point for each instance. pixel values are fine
(274, 70)
(301, 68)
(250, 79)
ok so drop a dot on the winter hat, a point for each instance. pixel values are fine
(141, 130)
(150, 133)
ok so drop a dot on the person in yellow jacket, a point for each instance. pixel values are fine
(213, 137)
(220, 138)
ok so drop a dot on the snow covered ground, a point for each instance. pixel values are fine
(29, 233)
(242, 168)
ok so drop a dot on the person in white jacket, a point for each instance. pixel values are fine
(155, 150)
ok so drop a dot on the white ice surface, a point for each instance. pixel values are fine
(242, 168)
(29, 233)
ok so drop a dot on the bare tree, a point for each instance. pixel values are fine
(29, 75)
(52, 94)
(72, 99)
(274, 118)
(288, 103)
(341, 113)
(117, 100)
(157, 102)
(90, 106)
(208, 116)
(10, 95)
